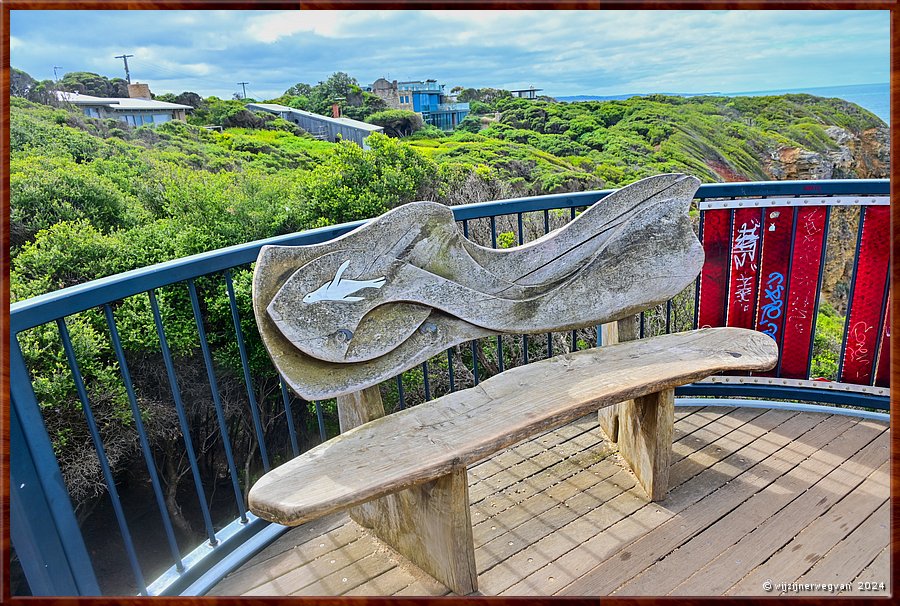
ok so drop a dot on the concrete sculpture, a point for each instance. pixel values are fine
(349, 313)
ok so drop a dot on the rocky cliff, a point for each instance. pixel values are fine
(865, 155)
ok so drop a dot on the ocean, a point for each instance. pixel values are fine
(874, 97)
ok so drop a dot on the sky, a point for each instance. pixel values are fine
(562, 52)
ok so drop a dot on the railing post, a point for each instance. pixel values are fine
(44, 530)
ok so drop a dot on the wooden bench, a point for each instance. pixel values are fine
(404, 476)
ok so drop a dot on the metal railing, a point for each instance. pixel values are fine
(766, 247)
(452, 107)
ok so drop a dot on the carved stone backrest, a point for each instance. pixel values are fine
(347, 314)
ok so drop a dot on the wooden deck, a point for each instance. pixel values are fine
(756, 495)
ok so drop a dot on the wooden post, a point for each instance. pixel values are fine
(608, 416)
(646, 427)
(612, 333)
(429, 523)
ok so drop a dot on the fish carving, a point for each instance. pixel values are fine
(419, 286)
(339, 290)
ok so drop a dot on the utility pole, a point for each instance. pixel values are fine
(244, 87)
(124, 58)
(55, 76)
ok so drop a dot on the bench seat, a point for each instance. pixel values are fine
(436, 438)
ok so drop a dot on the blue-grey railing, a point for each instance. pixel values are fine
(46, 535)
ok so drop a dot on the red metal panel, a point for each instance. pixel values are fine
(745, 257)
(801, 299)
(868, 297)
(883, 370)
(715, 268)
(773, 272)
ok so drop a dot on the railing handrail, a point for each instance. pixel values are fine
(80, 297)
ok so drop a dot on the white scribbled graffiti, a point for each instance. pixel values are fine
(857, 348)
(745, 245)
(744, 290)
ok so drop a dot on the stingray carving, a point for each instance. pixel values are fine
(349, 313)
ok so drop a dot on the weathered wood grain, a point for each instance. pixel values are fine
(431, 526)
(527, 572)
(351, 312)
(608, 416)
(813, 541)
(613, 532)
(732, 498)
(433, 439)
(734, 563)
(646, 425)
(359, 407)
(429, 523)
(666, 573)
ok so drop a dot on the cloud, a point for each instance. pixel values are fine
(272, 27)
(14, 43)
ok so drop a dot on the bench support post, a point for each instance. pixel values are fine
(646, 426)
(430, 523)
(612, 333)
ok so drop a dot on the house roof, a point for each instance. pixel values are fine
(120, 103)
(274, 107)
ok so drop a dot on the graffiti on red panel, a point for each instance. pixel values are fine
(744, 290)
(744, 255)
(743, 251)
(858, 348)
(771, 311)
(811, 225)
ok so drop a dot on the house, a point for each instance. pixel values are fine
(526, 93)
(424, 97)
(136, 111)
(322, 127)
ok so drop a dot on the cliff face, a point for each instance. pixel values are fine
(862, 156)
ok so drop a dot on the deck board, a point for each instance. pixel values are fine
(755, 494)
(757, 546)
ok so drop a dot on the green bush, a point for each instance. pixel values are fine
(826, 343)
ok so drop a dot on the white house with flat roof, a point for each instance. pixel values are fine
(135, 112)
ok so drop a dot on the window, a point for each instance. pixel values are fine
(160, 118)
(91, 112)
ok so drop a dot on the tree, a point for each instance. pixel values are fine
(89, 83)
(369, 105)
(470, 123)
(189, 98)
(485, 95)
(397, 122)
(20, 83)
(301, 89)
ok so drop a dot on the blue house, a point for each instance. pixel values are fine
(426, 98)
(429, 99)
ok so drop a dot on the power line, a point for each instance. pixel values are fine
(55, 76)
(124, 58)
(244, 87)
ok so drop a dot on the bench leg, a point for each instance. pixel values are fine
(646, 428)
(430, 523)
(610, 334)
